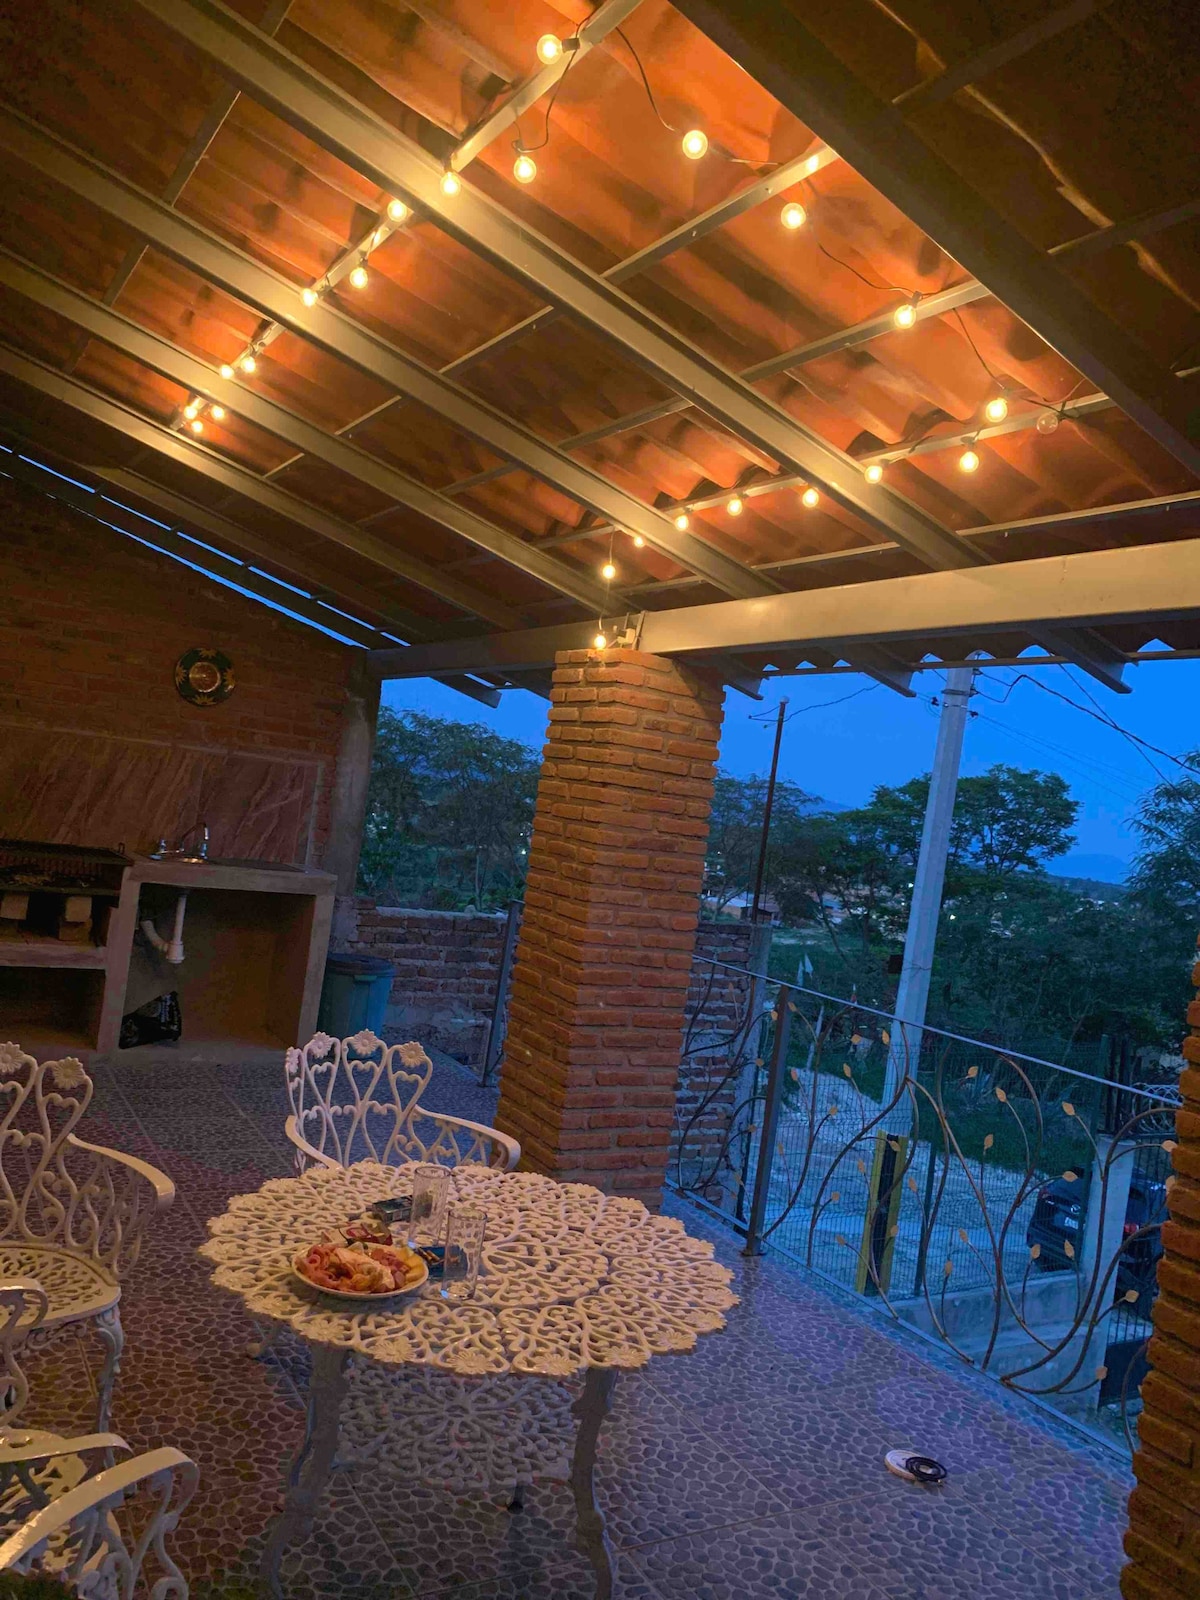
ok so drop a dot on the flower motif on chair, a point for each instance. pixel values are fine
(72, 1214)
(364, 1103)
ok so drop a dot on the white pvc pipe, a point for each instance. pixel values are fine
(171, 948)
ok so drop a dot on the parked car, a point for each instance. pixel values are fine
(1058, 1220)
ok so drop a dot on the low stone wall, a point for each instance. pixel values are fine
(448, 964)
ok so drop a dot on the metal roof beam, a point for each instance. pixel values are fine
(180, 448)
(1159, 582)
(770, 42)
(272, 295)
(346, 129)
(167, 359)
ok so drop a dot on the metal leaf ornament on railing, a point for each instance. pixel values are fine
(988, 1199)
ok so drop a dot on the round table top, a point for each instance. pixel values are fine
(571, 1278)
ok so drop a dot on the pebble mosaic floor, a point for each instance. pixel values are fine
(749, 1470)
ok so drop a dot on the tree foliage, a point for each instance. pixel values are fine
(449, 814)
(735, 833)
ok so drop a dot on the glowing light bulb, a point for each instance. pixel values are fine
(793, 215)
(226, 370)
(968, 461)
(549, 49)
(397, 211)
(811, 497)
(608, 572)
(683, 522)
(309, 296)
(451, 183)
(524, 168)
(904, 316)
(599, 642)
(873, 473)
(217, 413)
(1047, 422)
(248, 363)
(734, 505)
(996, 410)
(638, 541)
(360, 277)
(192, 410)
(695, 144)
(196, 425)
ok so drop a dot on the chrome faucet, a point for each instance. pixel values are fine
(179, 852)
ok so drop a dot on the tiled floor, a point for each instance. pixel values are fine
(749, 1469)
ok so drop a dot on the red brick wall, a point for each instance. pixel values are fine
(1163, 1541)
(611, 907)
(447, 968)
(96, 745)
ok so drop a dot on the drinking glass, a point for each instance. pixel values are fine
(464, 1250)
(431, 1190)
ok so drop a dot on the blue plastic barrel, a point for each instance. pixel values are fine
(354, 995)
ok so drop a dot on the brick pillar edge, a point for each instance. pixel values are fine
(616, 866)
(1163, 1539)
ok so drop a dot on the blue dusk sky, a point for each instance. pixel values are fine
(845, 735)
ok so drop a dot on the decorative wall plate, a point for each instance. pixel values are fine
(204, 677)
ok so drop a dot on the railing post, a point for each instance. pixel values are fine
(776, 1076)
(496, 1028)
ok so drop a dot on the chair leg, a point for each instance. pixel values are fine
(112, 1337)
(267, 1340)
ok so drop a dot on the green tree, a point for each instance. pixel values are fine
(735, 832)
(449, 813)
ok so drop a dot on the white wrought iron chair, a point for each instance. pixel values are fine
(72, 1214)
(359, 1099)
(103, 1535)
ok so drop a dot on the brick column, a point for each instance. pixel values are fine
(1163, 1540)
(613, 897)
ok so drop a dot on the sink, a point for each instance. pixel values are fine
(249, 862)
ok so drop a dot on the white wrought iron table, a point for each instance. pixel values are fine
(573, 1282)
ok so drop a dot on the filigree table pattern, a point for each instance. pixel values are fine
(571, 1278)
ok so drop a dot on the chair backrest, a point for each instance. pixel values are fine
(358, 1099)
(40, 1104)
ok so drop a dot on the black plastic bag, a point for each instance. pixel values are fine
(159, 1021)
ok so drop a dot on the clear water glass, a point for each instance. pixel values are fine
(464, 1250)
(431, 1191)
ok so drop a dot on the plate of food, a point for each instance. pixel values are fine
(361, 1270)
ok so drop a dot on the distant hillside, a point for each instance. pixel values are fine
(1082, 864)
(1093, 888)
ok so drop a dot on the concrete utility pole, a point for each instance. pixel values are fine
(913, 994)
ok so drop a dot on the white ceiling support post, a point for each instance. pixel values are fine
(904, 1050)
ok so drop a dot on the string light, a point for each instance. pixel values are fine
(451, 183)
(524, 168)
(810, 498)
(906, 315)
(599, 642)
(968, 461)
(217, 413)
(874, 472)
(549, 49)
(638, 541)
(226, 370)
(793, 215)
(196, 425)
(360, 277)
(248, 363)
(683, 522)
(191, 409)
(608, 572)
(397, 211)
(695, 144)
(996, 409)
(309, 296)
(734, 505)
(1047, 422)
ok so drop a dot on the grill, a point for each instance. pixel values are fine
(29, 864)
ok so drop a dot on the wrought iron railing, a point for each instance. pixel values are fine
(1007, 1207)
